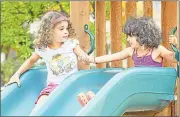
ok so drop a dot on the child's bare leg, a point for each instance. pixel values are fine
(40, 101)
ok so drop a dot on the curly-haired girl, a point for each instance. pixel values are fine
(144, 38)
(54, 45)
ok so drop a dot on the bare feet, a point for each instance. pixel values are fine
(85, 98)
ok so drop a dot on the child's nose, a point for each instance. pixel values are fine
(66, 31)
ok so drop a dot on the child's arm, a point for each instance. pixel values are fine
(116, 56)
(82, 55)
(25, 66)
(166, 54)
(106, 58)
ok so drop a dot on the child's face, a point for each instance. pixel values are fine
(60, 32)
(132, 41)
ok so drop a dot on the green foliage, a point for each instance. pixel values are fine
(8, 68)
(107, 10)
(92, 27)
(92, 9)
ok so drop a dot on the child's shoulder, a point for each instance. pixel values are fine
(160, 48)
(157, 51)
(129, 50)
(72, 43)
(41, 49)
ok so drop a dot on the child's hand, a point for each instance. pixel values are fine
(173, 39)
(14, 79)
(87, 59)
(90, 59)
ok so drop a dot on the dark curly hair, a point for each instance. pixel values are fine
(146, 31)
(48, 21)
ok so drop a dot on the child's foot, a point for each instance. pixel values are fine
(82, 99)
(90, 95)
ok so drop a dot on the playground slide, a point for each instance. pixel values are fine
(134, 89)
(20, 101)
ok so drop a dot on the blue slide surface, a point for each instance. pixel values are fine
(117, 91)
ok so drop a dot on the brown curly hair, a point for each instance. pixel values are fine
(44, 34)
(146, 30)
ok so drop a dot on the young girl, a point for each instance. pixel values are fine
(58, 51)
(144, 38)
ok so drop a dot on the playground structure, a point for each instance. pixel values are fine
(169, 19)
(169, 16)
(105, 82)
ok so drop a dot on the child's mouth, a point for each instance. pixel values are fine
(65, 37)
